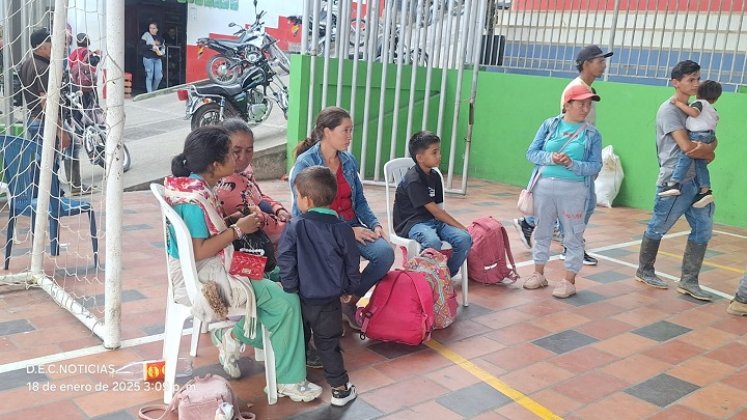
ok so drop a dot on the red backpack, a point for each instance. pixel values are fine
(400, 309)
(486, 261)
(83, 73)
(433, 264)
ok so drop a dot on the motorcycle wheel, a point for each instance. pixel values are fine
(126, 160)
(93, 139)
(223, 70)
(209, 114)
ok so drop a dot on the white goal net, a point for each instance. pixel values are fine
(61, 127)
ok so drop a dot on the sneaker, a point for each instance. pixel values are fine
(229, 351)
(588, 259)
(312, 359)
(564, 289)
(342, 397)
(737, 308)
(348, 315)
(703, 199)
(535, 281)
(525, 231)
(556, 235)
(670, 191)
(303, 391)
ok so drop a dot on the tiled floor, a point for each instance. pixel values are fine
(615, 350)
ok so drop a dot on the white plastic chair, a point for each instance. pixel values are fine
(394, 170)
(177, 314)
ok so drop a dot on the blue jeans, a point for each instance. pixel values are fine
(702, 176)
(430, 234)
(380, 256)
(153, 73)
(35, 133)
(667, 210)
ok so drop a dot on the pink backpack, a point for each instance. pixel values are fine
(432, 263)
(400, 309)
(490, 248)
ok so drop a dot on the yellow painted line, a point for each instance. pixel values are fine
(709, 264)
(500, 386)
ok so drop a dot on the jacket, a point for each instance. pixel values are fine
(34, 75)
(589, 167)
(318, 258)
(312, 157)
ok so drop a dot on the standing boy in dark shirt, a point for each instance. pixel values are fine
(319, 260)
(417, 211)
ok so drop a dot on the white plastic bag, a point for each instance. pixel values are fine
(610, 178)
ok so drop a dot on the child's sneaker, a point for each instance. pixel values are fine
(303, 391)
(670, 191)
(703, 199)
(344, 396)
(229, 351)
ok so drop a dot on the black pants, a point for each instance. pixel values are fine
(325, 321)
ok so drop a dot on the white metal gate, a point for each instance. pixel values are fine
(444, 34)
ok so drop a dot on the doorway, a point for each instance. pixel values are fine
(171, 17)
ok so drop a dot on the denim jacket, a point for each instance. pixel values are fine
(589, 167)
(313, 156)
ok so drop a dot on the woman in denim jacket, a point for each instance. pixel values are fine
(567, 156)
(327, 146)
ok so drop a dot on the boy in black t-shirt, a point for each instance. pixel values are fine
(417, 212)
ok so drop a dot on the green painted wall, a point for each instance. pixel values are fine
(508, 111)
(301, 86)
(510, 108)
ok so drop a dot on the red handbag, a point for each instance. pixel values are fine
(248, 265)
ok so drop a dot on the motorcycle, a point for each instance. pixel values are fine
(234, 57)
(251, 100)
(356, 25)
(86, 124)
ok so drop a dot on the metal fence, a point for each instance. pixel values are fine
(541, 37)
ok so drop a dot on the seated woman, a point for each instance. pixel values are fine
(327, 146)
(239, 192)
(205, 160)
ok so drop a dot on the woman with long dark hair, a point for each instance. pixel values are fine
(327, 145)
(196, 171)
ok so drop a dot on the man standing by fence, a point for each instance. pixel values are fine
(591, 63)
(34, 74)
(671, 137)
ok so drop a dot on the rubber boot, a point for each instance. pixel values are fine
(646, 259)
(691, 263)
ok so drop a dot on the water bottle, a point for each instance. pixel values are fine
(152, 370)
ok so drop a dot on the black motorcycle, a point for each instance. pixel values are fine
(236, 56)
(251, 100)
(87, 125)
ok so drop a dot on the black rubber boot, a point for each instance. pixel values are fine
(646, 259)
(691, 263)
